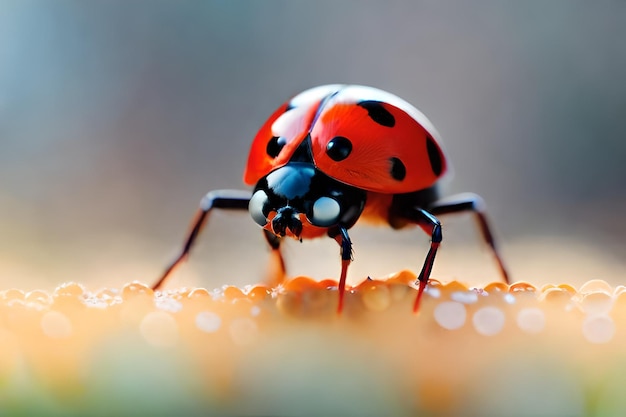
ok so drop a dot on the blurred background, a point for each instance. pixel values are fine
(116, 117)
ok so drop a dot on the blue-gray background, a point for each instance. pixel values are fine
(117, 116)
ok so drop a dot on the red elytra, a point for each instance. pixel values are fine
(330, 111)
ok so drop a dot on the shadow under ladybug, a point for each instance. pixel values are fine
(334, 155)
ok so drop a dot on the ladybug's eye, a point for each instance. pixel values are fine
(326, 212)
(256, 207)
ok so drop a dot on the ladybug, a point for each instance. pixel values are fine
(333, 155)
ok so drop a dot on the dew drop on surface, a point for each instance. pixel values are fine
(597, 303)
(568, 288)
(107, 294)
(404, 277)
(38, 296)
(522, 286)
(56, 325)
(509, 298)
(12, 294)
(465, 297)
(199, 293)
(556, 296)
(398, 292)
(450, 315)
(598, 329)
(595, 285)
(531, 320)
(376, 297)
(618, 290)
(488, 321)
(433, 292)
(231, 292)
(255, 311)
(69, 289)
(168, 304)
(136, 288)
(94, 302)
(258, 293)
(159, 329)
(208, 322)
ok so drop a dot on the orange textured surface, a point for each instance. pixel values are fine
(498, 350)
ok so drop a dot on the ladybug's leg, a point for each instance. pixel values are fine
(469, 202)
(346, 257)
(431, 225)
(277, 270)
(221, 199)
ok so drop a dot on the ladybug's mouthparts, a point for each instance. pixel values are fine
(287, 219)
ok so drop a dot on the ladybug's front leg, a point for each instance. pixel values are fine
(221, 199)
(343, 239)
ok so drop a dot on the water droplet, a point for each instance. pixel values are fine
(168, 304)
(488, 321)
(531, 320)
(598, 329)
(376, 297)
(159, 329)
(595, 285)
(509, 298)
(208, 322)
(597, 303)
(255, 311)
(433, 292)
(56, 325)
(465, 297)
(450, 315)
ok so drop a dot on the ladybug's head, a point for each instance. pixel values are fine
(298, 197)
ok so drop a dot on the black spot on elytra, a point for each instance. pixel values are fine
(275, 145)
(434, 156)
(398, 170)
(339, 148)
(378, 113)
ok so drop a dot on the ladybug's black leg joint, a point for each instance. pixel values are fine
(469, 202)
(429, 222)
(221, 199)
(436, 237)
(427, 219)
(346, 245)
